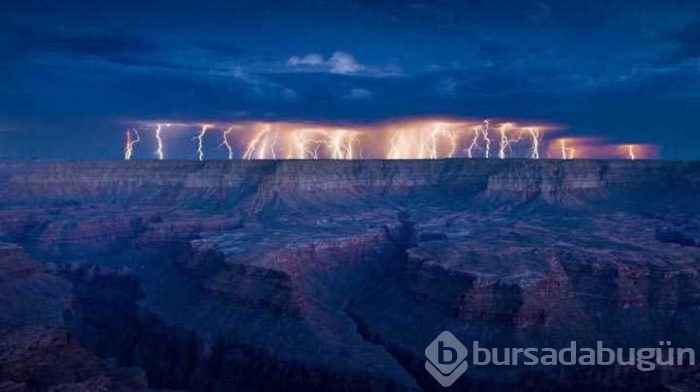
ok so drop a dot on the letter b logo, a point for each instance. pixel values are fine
(446, 359)
(442, 358)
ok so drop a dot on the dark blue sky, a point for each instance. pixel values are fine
(75, 73)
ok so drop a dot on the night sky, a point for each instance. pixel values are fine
(75, 74)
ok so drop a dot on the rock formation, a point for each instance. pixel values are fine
(313, 275)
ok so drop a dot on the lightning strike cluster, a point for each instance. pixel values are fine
(429, 138)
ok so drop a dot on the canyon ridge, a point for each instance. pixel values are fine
(317, 275)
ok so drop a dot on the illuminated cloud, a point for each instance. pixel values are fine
(341, 63)
(309, 59)
(344, 63)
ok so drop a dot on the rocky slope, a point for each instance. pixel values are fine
(337, 274)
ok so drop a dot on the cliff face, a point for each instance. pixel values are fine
(225, 183)
(310, 274)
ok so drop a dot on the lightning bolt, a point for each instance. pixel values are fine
(273, 145)
(396, 145)
(159, 142)
(341, 144)
(505, 143)
(226, 144)
(130, 143)
(252, 145)
(307, 142)
(424, 149)
(262, 141)
(485, 135)
(474, 144)
(566, 153)
(563, 149)
(439, 130)
(535, 136)
(299, 141)
(200, 141)
(315, 153)
(430, 138)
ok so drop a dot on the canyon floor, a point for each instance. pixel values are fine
(318, 275)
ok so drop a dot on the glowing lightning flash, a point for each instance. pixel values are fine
(226, 144)
(341, 144)
(200, 141)
(485, 135)
(421, 143)
(159, 140)
(441, 130)
(263, 139)
(430, 138)
(566, 153)
(505, 140)
(130, 143)
(474, 144)
(306, 143)
(397, 146)
(535, 148)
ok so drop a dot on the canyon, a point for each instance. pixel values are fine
(315, 275)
